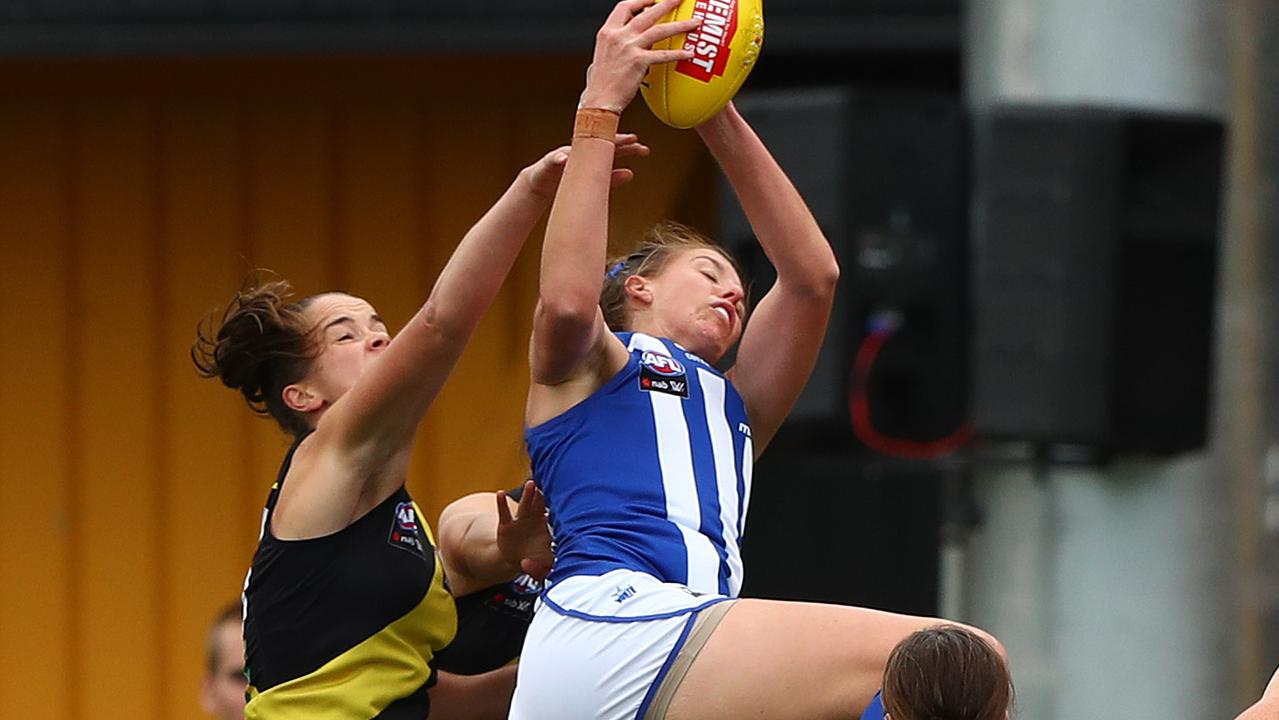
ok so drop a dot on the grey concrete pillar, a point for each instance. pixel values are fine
(1109, 585)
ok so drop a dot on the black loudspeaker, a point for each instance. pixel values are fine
(884, 176)
(834, 528)
(1094, 266)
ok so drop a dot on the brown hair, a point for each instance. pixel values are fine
(946, 673)
(660, 243)
(233, 612)
(261, 345)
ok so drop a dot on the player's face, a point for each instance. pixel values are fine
(698, 301)
(349, 335)
(224, 689)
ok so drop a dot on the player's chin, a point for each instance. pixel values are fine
(716, 344)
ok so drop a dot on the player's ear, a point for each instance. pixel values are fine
(640, 288)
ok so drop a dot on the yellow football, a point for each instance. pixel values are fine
(687, 93)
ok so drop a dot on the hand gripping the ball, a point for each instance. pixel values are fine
(623, 51)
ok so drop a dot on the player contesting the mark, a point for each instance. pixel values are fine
(644, 450)
(945, 671)
(345, 602)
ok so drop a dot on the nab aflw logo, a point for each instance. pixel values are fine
(662, 373)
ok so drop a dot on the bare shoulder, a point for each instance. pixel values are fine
(546, 402)
(316, 498)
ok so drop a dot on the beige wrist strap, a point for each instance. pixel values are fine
(596, 123)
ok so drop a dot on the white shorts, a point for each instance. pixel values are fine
(600, 646)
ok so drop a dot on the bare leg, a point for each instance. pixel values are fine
(792, 661)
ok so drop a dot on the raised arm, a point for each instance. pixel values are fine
(568, 328)
(358, 454)
(779, 347)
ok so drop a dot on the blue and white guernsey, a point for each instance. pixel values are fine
(650, 473)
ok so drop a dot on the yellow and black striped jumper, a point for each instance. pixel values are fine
(345, 626)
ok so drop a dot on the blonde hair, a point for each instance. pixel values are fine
(660, 244)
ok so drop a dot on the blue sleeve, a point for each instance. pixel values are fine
(876, 709)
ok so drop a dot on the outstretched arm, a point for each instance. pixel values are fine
(356, 456)
(779, 348)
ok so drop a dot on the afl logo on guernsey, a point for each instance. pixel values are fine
(404, 530)
(663, 365)
(662, 373)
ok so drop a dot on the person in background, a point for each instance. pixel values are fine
(222, 692)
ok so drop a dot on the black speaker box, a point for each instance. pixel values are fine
(1094, 267)
(884, 176)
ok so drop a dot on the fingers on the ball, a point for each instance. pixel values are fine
(625, 10)
(657, 33)
(652, 14)
(659, 57)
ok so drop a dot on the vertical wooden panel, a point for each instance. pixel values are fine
(288, 146)
(35, 510)
(379, 147)
(209, 551)
(467, 176)
(669, 184)
(384, 209)
(116, 506)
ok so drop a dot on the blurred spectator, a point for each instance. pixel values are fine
(224, 681)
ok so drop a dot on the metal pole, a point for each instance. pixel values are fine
(1247, 408)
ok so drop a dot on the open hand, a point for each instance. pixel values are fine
(544, 175)
(524, 539)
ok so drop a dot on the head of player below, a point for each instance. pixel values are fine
(946, 671)
(678, 285)
(290, 359)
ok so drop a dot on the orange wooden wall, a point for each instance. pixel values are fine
(133, 197)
